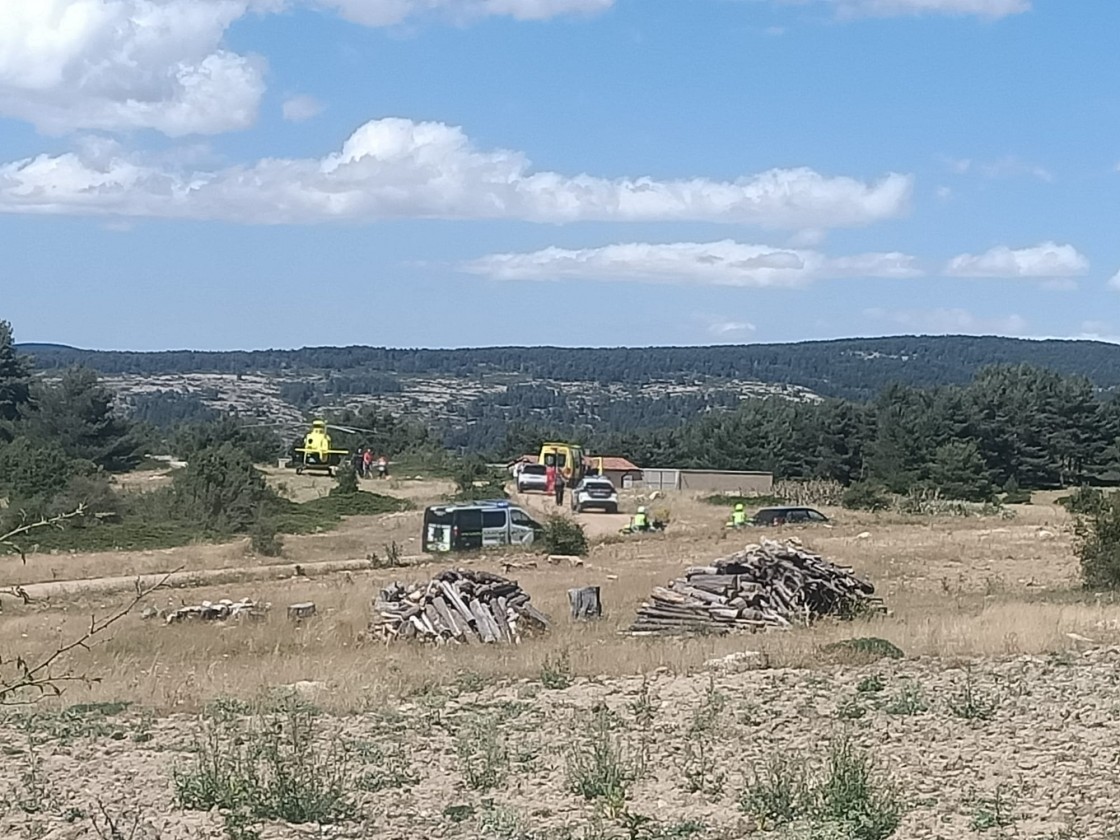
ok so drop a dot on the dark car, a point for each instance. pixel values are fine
(787, 516)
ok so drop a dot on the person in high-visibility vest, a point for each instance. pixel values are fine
(738, 516)
(640, 521)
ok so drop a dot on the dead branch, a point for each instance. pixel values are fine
(33, 681)
(8, 540)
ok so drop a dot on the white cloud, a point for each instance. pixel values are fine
(722, 328)
(948, 321)
(1046, 260)
(390, 12)
(126, 64)
(1114, 282)
(120, 65)
(301, 108)
(1009, 166)
(724, 263)
(394, 168)
(992, 9)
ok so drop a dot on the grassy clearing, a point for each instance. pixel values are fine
(145, 534)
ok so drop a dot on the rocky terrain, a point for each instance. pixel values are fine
(1019, 746)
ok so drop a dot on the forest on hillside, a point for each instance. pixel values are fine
(857, 368)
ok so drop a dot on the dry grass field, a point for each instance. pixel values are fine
(1001, 720)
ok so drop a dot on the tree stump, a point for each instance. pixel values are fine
(585, 602)
(298, 612)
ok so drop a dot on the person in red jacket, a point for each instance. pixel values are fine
(550, 479)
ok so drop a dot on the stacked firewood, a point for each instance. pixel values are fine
(460, 605)
(772, 585)
(210, 611)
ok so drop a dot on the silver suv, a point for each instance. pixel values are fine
(532, 477)
(595, 492)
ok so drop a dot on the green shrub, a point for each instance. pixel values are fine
(779, 793)
(276, 768)
(597, 767)
(1084, 501)
(870, 647)
(220, 490)
(564, 536)
(871, 685)
(850, 794)
(31, 470)
(847, 795)
(730, 500)
(1014, 495)
(1098, 545)
(970, 702)
(865, 495)
(475, 479)
(346, 484)
(265, 539)
(910, 700)
(483, 756)
(556, 671)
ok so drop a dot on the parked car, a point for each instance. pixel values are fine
(532, 478)
(474, 525)
(787, 516)
(595, 492)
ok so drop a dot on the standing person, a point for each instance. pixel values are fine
(356, 462)
(560, 488)
(550, 478)
(367, 461)
(382, 467)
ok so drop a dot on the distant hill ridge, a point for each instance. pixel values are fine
(853, 367)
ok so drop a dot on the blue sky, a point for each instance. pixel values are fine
(275, 173)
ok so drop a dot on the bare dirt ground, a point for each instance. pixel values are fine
(1002, 719)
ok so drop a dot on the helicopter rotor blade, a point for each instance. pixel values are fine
(350, 430)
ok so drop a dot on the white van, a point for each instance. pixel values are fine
(470, 526)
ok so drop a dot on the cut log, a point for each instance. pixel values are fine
(299, 612)
(585, 602)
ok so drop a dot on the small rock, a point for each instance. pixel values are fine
(863, 535)
(732, 660)
(1043, 534)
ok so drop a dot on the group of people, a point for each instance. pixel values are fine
(364, 463)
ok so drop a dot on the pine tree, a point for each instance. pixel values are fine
(15, 379)
(79, 414)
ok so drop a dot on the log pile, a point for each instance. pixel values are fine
(772, 585)
(460, 605)
(210, 611)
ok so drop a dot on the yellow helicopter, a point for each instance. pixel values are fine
(316, 454)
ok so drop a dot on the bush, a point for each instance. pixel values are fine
(1084, 501)
(30, 470)
(275, 769)
(1098, 545)
(265, 539)
(848, 796)
(598, 767)
(220, 490)
(730, 500)
(564, 536)
(347, 482)
(864, 495)
(870, 647)
(1014, 495)
(475, 479)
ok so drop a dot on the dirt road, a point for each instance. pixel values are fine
(595, 524)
